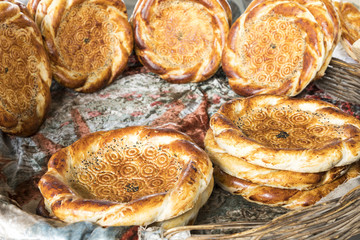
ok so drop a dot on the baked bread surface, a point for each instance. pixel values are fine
(328, 19)
(88, 42)
(131, 176)
(181, 40)
(350, 22)
(278, 132)
(25, 75)
(275, 48)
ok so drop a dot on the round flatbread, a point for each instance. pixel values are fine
(328, 19)
(287, 198)
(89, 42)
(278, 132)
(240, 168)
(180, 40)
(25, 75)
(130, 176)
(277, 47)
(350, 22)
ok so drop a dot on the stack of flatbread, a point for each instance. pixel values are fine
(350, 23)
(279, 47)
(181, 40)
(282, 152)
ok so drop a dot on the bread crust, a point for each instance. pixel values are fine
(257, 61)
(287, 198)
(24, 72)
(188, 217)
(181, 40)
(278, 132)
(240, 168)
(88, 41)
(350, 22)
(130, 176)
(328, 19)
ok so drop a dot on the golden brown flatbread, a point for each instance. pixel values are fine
(279, 132)
(25, 75)
(88, 42)
(287, 198)
(328, 19)
(181, 40)
(276, 47)
(350, 22)
(240, 168)
(130, 176)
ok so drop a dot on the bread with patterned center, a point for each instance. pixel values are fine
(278, 132)
(25, 75)
(328, 19)
(89, 42)
(130, 176)
(287, 198)
(181, 40)
(276, 47)
(240, 168)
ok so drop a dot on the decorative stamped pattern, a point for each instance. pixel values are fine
(122, 172)
(19, 72)
(175, 43)
(272, 51)
(85, 38)
(288, 128)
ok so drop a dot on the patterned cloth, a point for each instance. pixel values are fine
(136, 98)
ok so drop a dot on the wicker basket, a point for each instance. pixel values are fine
(341, 81)
(335, 219)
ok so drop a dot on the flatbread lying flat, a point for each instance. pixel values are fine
(240, 168)
(288, 198)
(278, 132)
(130, 176)
(25, 75)
(181, 40)
(88, 42)
(277, 47)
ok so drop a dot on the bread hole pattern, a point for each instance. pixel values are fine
(122, 172)
(85, 38)
(270, 50)
(19, 72)
(291, 129)
(174, 43)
